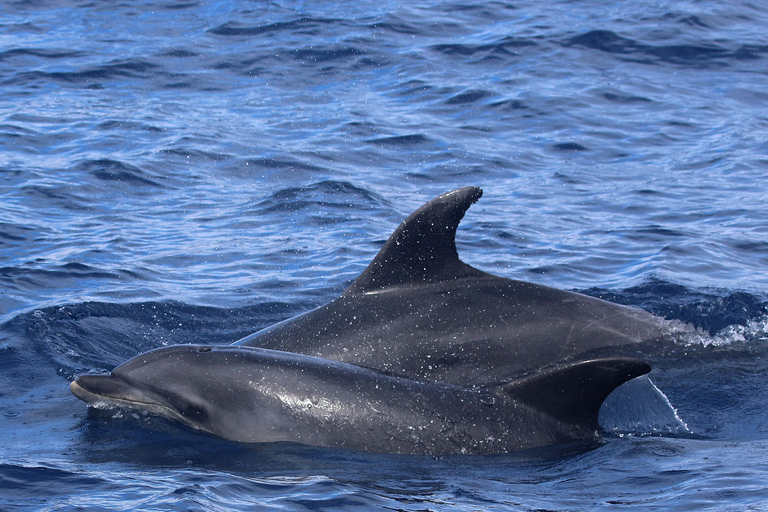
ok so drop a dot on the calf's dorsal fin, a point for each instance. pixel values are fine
(423, 248)
(573, 393)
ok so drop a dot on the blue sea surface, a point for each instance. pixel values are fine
(192, 171)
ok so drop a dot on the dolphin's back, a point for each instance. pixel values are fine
(470, 331)
(419, 311)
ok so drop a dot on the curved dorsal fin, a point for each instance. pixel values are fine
(423, 248)
(573, 393)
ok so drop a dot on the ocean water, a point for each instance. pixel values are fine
(184, 171)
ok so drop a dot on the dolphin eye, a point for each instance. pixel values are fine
(193, 412)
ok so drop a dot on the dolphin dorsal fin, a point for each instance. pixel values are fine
(423, 248)
(573, 393)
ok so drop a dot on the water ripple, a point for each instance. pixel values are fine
(702, 55)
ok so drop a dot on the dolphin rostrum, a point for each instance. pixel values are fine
(250, 395)
(420, 312)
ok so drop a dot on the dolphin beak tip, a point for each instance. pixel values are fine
(80, 392)
(94, 388)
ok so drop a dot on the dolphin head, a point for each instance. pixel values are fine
(213, 389)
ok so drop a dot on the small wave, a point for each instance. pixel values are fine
(12, 28)
(179, 53)
(283, 164)
(325, 194)
(113, 170)
(99, 335)
(472, 96)
(40, 482)
(15, 134)
(702, 55)
(401, 140)
(504, 47)
(569, 146)
(196, 154)
(43, 53)
(413, 88)
(325, 55)
(130, 126)
(306, 26)
(696, 21)
(66, 271)
(39, 119)
(177, 6)
(625, 98)
(705, 310)
(15, 233)
(398, 26)
(510, 105)
(58, 195)
(108, 72)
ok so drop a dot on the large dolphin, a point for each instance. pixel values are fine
(249, 395)
(420, 312)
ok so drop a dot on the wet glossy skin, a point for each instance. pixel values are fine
(418, 311)
(255, 395)
(469, 331)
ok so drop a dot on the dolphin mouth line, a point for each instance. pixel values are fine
(97, 399)
(106, 401)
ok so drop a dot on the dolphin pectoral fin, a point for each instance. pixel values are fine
(573, 393)
(423, 248)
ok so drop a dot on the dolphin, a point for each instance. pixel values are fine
(418, 311)
(250, 395)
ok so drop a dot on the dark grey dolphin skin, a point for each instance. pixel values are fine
(250, 395)
(420, 312)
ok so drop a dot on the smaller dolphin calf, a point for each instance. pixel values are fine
(251, 395)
